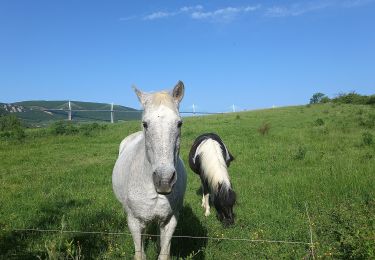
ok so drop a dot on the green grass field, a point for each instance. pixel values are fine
(322, 156)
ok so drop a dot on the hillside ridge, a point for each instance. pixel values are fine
(43, 112)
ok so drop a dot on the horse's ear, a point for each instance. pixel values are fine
(141, 96)
(178, 92)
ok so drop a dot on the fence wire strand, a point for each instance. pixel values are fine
(145, 235)
(154, 235)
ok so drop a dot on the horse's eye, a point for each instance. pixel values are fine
(145, 125)
(179, 124)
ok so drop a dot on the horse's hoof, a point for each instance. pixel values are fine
(164, 257)
(207, 213)
(139, 256)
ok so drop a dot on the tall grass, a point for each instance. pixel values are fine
(49, 178)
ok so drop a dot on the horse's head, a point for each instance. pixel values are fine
(224, 202)
(162, 129)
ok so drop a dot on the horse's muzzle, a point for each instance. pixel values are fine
(164, 185)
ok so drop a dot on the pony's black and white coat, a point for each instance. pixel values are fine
(210, 159)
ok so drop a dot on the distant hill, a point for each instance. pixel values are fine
(41, 112)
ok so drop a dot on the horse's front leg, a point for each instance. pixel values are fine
(137, 228)
(166, 232)
(205, 198)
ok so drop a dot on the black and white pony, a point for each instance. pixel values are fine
(210, 159)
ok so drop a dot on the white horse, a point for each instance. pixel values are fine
(149, 177)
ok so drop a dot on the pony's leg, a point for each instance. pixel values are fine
(166, 232)
(207, 204)
(204, 189)
(137, 228)
(205, 199)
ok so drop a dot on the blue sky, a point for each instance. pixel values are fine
(253, 54)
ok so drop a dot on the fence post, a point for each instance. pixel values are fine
(311, 233)
(112, 114)
(70, 112)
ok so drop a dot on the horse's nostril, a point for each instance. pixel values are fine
(172, 178)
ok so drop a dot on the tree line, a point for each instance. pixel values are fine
(343, 98)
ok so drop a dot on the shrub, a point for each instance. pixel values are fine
(371, 100)
(9, 123)
(16, 134)
(367, 121)
(89, 129)
(325, 99)
(360, 111)
(319, 122)
(11, 128)
(63, 128)
(319, 98)
(367, 156)
(367, 138)
(301, 153)
(351, 98)
(68, 128)
(264, 128)
(3, 112)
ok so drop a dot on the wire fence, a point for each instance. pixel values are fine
(155, 235)
(309, 243)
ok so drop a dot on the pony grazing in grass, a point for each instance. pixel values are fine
(149, 178)
(210, 159)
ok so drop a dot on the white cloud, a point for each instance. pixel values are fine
(191, 8)
(355, 3)
(300, 8)
(197, 12)
(158, 15)
(251, 8)
(224, 14)
(297, 9)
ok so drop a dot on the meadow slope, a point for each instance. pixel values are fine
(322, 156)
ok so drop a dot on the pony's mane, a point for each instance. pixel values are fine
(163, 98)
(213, 164)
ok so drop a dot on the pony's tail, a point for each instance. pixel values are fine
(224, 200)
